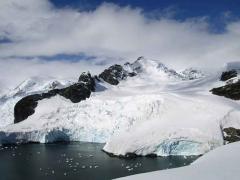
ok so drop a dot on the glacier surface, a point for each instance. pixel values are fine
(159, 111)
(219, 164)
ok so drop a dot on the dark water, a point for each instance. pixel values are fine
(82, 161)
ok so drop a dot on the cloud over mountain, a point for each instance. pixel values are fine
(30, 28)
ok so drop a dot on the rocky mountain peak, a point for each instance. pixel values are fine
(147, 67)
(226, 75)
(87, 79)
(114, 74)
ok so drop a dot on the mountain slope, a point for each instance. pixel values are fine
(151, 109)
(29, 86)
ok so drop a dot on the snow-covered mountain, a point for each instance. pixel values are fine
(141, 107)
(30, 86)
(151, 68)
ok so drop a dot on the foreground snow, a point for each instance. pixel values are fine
(158, 111)
(219, 164)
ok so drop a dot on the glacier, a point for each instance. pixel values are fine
(159, 111)
(221, 164)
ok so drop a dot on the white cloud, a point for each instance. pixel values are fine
(37, 28)
(14, 71)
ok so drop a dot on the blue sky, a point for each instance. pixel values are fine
(187, 7)
(218, 12)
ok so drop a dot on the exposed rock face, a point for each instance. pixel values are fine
(114, 74)
(76, 93)
(81, 90)
(131, 74)
(228, 75)
(88, 80)
(231, 91)
(231, 134)
(25, 107)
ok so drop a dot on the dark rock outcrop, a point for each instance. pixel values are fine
(113, 74)
(228, 75)
(231, 91)
(132, 74)
(88, 80)
(76, 93)
(26, 107)
(231, 134)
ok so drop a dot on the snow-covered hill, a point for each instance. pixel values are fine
(155, 110)
(30, 86)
